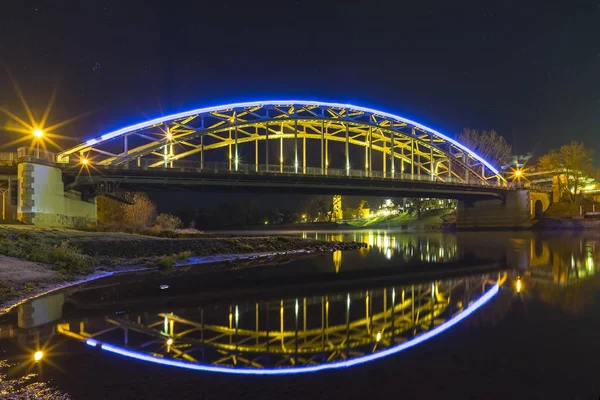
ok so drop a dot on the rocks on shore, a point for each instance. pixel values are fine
(147, 247)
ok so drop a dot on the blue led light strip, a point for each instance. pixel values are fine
(303, 370)
(185, 114)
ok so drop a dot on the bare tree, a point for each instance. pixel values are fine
(141, 213)
(488, 144)
(110, 211)
(573, 164)
(168, 222)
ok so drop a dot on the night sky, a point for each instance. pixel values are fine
(530, 71)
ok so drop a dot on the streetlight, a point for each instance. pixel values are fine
(38, 134)
(37, 356)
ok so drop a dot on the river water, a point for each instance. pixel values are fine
(469, 315)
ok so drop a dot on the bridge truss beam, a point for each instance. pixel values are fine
(290, 128)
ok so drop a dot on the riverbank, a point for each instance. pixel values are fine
(34, 260)
(567, 224)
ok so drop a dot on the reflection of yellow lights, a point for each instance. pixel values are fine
(519, 285)
(337, 260)
(38, 355)
(38, 133)
(378, 337)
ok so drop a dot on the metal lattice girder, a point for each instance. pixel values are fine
(406, 145)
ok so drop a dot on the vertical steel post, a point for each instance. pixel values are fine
(412, 157)
(393, 154)
(402, 159)
(256, 152)
(281, 150)
(267, 146)
(125, 148)
(370, 151)
(322, 148)
(304, 152)
(296, 146)
(166, 154)
(384, 155)
(432, 171)
(237, 160)
(201, 152)
(347, 147)
(230, 155)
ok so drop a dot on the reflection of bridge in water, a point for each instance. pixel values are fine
(291, 334)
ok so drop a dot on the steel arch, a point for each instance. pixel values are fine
(416, 148)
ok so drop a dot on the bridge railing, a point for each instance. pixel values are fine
(35, 153)
(247, 169)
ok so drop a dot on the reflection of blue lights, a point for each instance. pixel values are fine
(313, 368)
(185, 114)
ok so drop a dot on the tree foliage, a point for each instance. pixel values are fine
(488, 144)
(573, 164)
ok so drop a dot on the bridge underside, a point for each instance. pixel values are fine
(107, 181)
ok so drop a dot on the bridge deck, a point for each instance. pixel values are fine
(98, 179)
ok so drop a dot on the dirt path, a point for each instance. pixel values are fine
(22, 271)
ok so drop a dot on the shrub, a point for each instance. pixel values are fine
(167, 222)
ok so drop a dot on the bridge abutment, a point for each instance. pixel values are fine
(511, 212)
(44, 202)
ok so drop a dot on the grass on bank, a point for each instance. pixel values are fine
(62, 256)
(430, 219)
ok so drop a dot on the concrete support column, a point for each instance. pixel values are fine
(44, 202)
(512, 212)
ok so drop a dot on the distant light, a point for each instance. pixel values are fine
(169, 341)
(169, 136)
(519, 285)
(378, 337)
(518, 173)
(85, 161)
(38, 355)
(163, 287)
(38, 133)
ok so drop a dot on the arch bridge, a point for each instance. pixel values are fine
(285, 137)
(284, 146)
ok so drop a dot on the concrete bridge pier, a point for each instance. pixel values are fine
(42, 199)
(511, 212)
